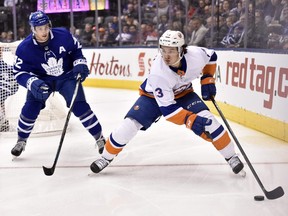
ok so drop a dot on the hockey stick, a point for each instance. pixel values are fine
(274, 194)
(50, 171)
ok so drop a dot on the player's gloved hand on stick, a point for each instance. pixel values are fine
(208, 88)
(38, 88)
(197, 123)
(80, 67)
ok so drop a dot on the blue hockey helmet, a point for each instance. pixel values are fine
(38, 18)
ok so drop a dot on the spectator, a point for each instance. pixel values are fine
(233, 16)
(224, 26)
(124, 38)
(111, 38)
(152, 35)
(200, 11)
(21, 34)
(130, 20)
(198, 33)
(134, 34)
(234, 37)
(225, 9)
(163, 9)
(239, 9)
(179, 16)
(3, 37)
(188, 29)
(86, 35)
(10, 37)
(274, 35)
(267, 9)
(130, 10)
(78, 33)
(210, 38)
(163, 24)
(100, 38)
(191, 11)
(258, 36)
(143, 33)
(277, 11)
(114, 24)
(207, 12)
(149, 11)
(72, 30)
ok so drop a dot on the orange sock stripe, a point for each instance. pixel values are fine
(206, 137)
(222, 142)
(207, 80)
(111, 149)
(209, 69)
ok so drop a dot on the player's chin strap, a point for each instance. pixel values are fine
(181, 54)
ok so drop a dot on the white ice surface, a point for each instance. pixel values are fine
(165, 171)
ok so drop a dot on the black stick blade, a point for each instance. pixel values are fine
(48, 171)
(275, 194)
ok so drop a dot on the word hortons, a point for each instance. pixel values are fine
(117, 66)
(111, 67)
(268, 80)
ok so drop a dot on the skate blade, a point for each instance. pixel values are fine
(14, 158)
(91, 174)
(242, 173)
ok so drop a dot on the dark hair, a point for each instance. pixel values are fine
(184, 48)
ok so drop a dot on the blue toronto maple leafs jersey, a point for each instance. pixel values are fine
(53, 61)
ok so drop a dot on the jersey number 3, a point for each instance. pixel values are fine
(159, 92)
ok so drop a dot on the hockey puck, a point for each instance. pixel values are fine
(259, 198)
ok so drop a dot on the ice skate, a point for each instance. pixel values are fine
(236, 164)
(99, 164)
(18, 148)
(100, 144)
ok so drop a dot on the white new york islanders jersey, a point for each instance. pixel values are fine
(165, 83)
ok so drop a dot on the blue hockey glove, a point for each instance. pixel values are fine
(197, 123)
(208, 88)
(38, 88)
(80, 67)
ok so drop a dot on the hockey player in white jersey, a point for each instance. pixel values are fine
(168, 91)
(49, 60)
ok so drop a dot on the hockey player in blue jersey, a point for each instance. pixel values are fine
(49, 60)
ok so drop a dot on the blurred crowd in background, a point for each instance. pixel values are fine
(258, 24)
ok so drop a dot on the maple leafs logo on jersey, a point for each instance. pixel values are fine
(54, 67)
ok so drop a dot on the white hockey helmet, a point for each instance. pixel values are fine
(172, 39)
